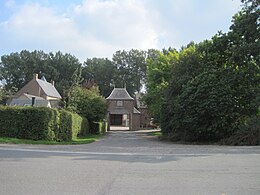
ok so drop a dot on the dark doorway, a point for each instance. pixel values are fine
(116, 119)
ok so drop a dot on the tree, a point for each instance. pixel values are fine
(214, 87)
(87, 103)
(158, 76)
(103, 72)
(131, 69)
(17, 68)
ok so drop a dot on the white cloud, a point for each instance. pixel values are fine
(98, 28)
(9, 3)
(118, 23)
(94, 28)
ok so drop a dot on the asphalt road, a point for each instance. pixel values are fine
(129, 163)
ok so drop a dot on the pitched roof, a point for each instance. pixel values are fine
(30, 96)
(48, 88)
(119, 94)
(136, 111)
(43, 78)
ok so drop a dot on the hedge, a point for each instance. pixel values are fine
(98, 127)
(41, 123)
(71, 126)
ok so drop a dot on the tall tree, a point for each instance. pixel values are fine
(215, 88)
(17, 68)
(131, 67)
(158, 76)
(103, 72)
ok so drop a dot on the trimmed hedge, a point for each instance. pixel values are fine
(98, 127)
(71, 126)
(41, 123)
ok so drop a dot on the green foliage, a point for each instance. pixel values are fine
(98, 127)
(131, 69)
(41, 124)
(158, 76)
(28, 123)
(208, 108)
(126, 69)
(87, 103)
(71, 126)
(103, 72)
(79, 140)
(247, 134)
(213, 86)
(17, 68)
(4, 95)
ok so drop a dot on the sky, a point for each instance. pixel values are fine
(99, 28)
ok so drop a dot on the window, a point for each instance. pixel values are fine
(119, 103)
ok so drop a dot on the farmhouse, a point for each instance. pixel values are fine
(37, 92)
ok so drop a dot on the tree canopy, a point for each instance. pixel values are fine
(213, 88)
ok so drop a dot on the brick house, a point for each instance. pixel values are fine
(123, 111)
(39, 91)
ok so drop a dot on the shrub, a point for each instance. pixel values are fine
(65, 129)
(87, 103)
(28, 123)
(209, 107)
(247, 134)
(98, 127)
(41, 123)
(80, 126)
(72, 125)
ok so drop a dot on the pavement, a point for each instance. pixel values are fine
(129, 162)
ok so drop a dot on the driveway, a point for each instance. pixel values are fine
(129, 162)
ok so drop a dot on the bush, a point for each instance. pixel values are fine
(65, 130)
(28, 123)
(98, 127)
(80, 126)
(208, 108)
(247, 134)
(87, 103)
(41, 124)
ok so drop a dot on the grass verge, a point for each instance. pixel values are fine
(155, 133)
(81, 140)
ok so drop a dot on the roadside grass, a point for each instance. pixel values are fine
(80, 140)
(155, 133)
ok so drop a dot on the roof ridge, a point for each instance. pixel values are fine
(119, 94)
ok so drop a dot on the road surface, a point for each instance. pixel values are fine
(127, 162)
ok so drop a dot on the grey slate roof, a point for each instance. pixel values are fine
(119, 94)
(48, 88)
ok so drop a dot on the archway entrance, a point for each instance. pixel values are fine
(116, 119)
(119, 122)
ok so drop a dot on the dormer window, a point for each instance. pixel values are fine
(119, 103)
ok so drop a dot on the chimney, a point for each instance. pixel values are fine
(53, 83)
(35, 76)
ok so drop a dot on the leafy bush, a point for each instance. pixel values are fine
(80, 126)
(98, 127)
(41, 123)
(87, 103)
(65, 129)
(247, 134)
(28, 123)
(209, 107)
(71, 126)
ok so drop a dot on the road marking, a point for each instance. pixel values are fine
(159, 156)
(97, 153)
